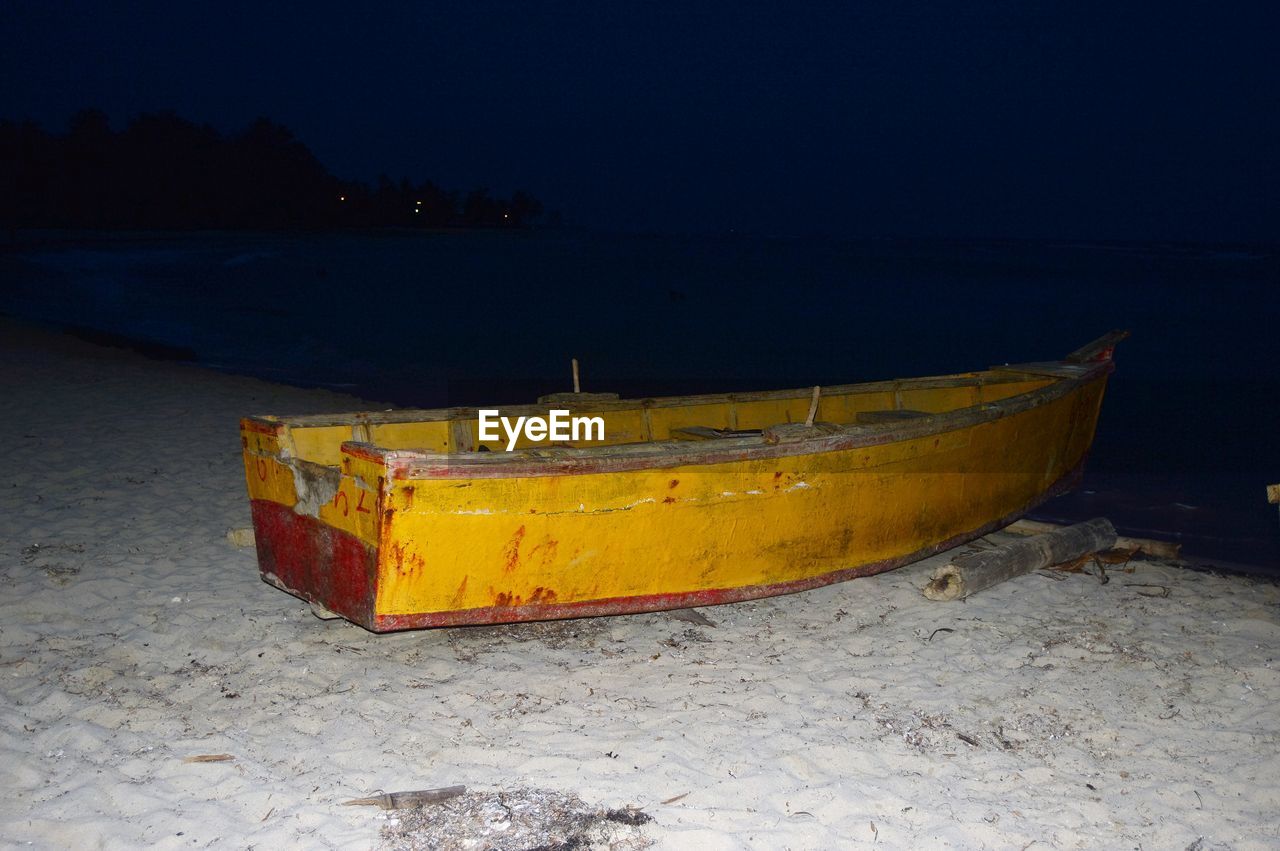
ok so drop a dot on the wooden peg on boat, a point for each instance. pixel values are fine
(577, 397)
(813, 406)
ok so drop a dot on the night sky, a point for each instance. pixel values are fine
(1017, 119)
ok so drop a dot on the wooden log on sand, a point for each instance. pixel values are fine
(1146, 546)
(405, 800)
(971, 572)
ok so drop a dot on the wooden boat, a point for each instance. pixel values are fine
(401, 519)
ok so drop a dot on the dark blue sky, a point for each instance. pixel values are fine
(1016, 119)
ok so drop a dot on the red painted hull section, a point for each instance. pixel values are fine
(316, 562)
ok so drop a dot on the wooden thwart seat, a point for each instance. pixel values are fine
(872, 417)
(707, 433)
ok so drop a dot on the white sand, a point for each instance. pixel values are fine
(132, 635)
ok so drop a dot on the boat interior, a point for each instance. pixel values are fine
(456, 431)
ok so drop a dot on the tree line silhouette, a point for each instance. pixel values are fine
(163, 171)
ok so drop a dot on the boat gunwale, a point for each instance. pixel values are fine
(556, 461)
(996, 375)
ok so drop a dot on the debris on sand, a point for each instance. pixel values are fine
(469, 642)
(240, 537)
(407, 800)
(692, 616)
(520, 819)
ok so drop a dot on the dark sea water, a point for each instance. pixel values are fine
(1185, 448)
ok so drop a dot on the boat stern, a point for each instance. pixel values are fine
(316, 527)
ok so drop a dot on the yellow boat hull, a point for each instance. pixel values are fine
(350, 515)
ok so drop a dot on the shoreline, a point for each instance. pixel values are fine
(54, 238)
(1245, 250)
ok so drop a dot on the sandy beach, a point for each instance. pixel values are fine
(1048, 712)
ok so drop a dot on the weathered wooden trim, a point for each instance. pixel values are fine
(403, 463)
(262, 425)
(578, 398)
(796, 432)
(1099, 349)
(1045, 369)
(876, 417)
(708, 433)
(406, 415)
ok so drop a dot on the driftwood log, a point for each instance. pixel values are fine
(971, 572)
(405, 800)
(1146, 546)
